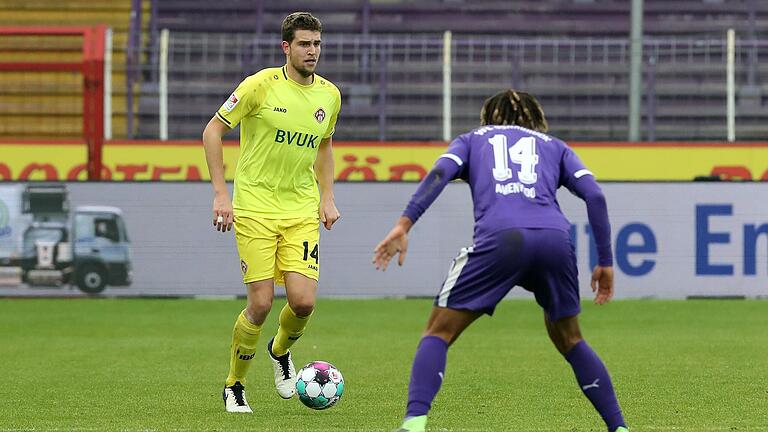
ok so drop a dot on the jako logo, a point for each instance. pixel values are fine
(298, 138)
(247, 356)
(282, 110)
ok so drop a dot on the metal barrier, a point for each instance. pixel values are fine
(392, 85)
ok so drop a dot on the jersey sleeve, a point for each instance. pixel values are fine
(334, 116)
(449, 166)
(430, 188)
(244, 100)
(458, 152)
(571, 168)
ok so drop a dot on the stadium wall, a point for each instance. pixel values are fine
(672, 240)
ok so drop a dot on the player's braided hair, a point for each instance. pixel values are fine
(299, 21)
(512, 107)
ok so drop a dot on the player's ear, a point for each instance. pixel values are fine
(286, 47)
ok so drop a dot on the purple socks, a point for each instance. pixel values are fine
(429, 368)
(596, 384)
(426, 375)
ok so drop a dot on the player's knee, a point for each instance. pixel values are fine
(445, 335)
(566, 344)
(303, 308)
(571, 337)
(444, 331)
(565, 337)
(573, 342)
(259, 306)
(256, 316)
(565, 341)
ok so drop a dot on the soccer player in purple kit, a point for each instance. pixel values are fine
(521, 237)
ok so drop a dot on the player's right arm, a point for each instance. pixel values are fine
(246, 97)
(446, 168)
(214, 156)
(396, 242)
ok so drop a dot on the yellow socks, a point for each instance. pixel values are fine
(290, 330)
(244, 338)
(245, 335)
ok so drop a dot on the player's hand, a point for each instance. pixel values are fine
(329, 214)
(222, 212)
(395, 242)
(602, 284)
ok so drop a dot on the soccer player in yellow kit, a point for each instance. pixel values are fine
(287, 116)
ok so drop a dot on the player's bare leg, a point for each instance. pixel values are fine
(448, 324)
(443, 328)
(590, 371)
(302, 293)
(245, 336)
(260, 295)
(565, 334)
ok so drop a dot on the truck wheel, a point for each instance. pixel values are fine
(91, 279)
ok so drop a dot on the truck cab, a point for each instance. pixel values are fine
(102, 254)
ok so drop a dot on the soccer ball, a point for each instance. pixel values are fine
(319, 385)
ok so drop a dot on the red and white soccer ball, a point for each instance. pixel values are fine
(319, 385)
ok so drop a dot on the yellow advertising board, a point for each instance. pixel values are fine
(674, 161)
(44, 160)
(377, 161)
(679, 161)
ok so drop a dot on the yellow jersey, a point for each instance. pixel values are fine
(281, 125)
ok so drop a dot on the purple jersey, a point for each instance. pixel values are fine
(514, 174)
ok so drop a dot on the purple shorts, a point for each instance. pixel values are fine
(542, 261)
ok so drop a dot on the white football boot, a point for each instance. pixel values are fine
(285, 373)
(234, 399)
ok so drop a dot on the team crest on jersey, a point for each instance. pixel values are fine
(320, 115)
(231, 103)
(243, 267)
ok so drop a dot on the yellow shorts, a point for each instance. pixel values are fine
(270, 247)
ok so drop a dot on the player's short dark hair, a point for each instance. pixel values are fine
(511, 107)
(299, 21)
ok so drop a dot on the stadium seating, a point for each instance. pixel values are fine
(522, 17)
(583, 85)
(58, 96)
(386, 57)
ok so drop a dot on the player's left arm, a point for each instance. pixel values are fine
(586, 188)
(581, 182)
(329, 214)
(597, 214)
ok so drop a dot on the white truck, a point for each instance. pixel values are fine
(42, 243)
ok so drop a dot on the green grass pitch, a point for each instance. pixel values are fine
(146, 365)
